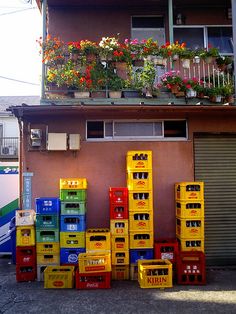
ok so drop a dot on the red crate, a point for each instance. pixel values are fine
(26, 256)
(25, 273)
(119, 211)
(118, 196)
(191, 268)
(166, 249)
(93, 281)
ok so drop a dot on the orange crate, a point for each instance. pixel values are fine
(140, 239)
(48, 248)
(139, 181)
(98, 239)
(119, 227)
(139, 160)
(196, 244)
(72, 239)
(140, 201)
(155, 273)
(120, 272)
(119, 243)
(48, 259)
(142, 221)
(94, 262)
(59, 277)
(120, 257)
(25, 236)
(73, 184)
(190, 228)
(190, 209)
(189, 191)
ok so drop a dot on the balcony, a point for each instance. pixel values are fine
(147, 69)
(9, 148)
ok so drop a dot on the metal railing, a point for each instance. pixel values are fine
(9, 147)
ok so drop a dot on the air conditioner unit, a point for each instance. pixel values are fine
(7, 150)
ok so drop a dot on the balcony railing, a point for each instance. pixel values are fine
(9, 147)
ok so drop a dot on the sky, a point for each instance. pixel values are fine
(20, 27)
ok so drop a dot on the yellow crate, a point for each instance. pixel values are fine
(25, 236)
(139, 181)
(190, 209)
(195, 244)
(120, 272)
(25, 217)
(141, 221)
(48, 259)
(139, 201)
(190, 228)
(140, 240)
(189, 191)
(72, 239)
(59, 277)
(155, 273)
(73, 184)
(134, 271)
(94, 262)
(98, 239)
(120, 257)
(139, 160)
(48, 248)
(119, 227)
(119, 243)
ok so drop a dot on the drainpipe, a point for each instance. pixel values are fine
(20, 203)
(233, 3)
(44, 34)
(170, 14)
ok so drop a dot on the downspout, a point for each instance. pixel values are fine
(170, 17)
(233, 3)
(20, 204)
(44, 35)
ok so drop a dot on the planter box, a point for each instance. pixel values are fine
(98, 94)
(115, 94)
(81, 94)
(131, 93)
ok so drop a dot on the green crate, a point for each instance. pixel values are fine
(47, 221)
(73, 195)
(73, 208)
(50, 235)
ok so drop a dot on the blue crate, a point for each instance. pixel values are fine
(47, 205)
(70, 256)
(136, 254)
(73, 223)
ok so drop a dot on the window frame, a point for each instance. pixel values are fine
(135, 138)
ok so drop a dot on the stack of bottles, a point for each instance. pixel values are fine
(47, 233)
(189, 197)
(118, 199)
(73, 195)
(139, 182)
(25, 245)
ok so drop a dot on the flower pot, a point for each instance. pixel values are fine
(190, 93)
(98, 94)
(131, 94)
(174, 89)
(115, 94)
(197, 59)
(81, 94)
(215, 99)
(175, 57)
(186, 63)
(122, 70)
(209, 60)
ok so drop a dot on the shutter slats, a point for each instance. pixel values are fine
(215, 165)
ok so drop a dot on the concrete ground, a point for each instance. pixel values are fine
(218, 296)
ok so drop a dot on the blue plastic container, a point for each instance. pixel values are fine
(70, 256)
(136, 254)
(73, 223)
(47, 205)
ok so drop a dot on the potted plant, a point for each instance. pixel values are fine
(190, 86)
(215, 94)
(53, 50)
(147, 78)
(98, 81)
(176, 49)
(106, 47)
(115, 85)
(223, 61)
(89, 50)
(228, 92)
(150, 49)
(74, 49)
(135, 49)
(172, 81)
(186, 56)
(208, 54)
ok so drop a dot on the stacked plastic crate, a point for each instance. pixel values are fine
(139, 182)
(25, 245)
(118, 199)
(47, 233)
(189, 198)
(73, 195)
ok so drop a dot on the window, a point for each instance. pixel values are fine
(203, 36)
(134, 130)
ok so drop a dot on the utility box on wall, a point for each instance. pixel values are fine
(74, 141)
(57, 141)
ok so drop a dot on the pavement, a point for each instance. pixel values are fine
(217, 296)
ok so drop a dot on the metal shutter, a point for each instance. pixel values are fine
(215, 164)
